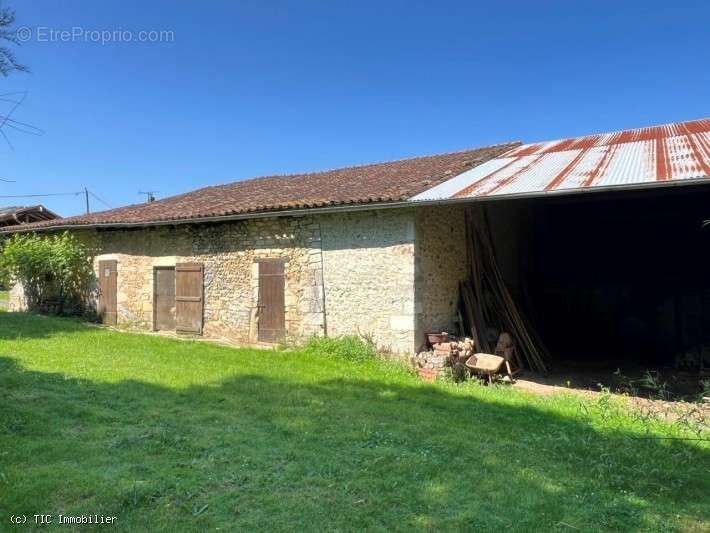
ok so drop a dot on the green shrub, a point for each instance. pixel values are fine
(350, 347)
(55, 271)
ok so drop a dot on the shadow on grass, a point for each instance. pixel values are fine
(275, 452)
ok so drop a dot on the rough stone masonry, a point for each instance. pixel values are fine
(389, 274)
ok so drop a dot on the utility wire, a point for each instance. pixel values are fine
(77, 193)
(96, 196)
(41, 195)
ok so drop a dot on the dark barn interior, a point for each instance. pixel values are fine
(613, 281)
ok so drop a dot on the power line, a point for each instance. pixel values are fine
(86, 193)
(100, 200)
(41, 195)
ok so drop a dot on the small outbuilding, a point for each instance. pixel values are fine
(15, 215)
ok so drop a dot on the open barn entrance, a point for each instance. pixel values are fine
(613, 281)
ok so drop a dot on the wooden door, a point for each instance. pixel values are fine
(188, 297)
(108, 286)
(164, 298)
(272, 310)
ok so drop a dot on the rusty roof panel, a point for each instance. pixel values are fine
(671, 152)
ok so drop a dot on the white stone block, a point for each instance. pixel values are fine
(402, 322)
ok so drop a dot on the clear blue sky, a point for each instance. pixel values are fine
(256, 88)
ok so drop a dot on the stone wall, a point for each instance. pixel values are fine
(368, 267)
(359, 266)
(229, 253)
(16, 297)
(441, 264)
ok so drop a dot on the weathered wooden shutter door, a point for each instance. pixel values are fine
(108, 288)
(164, 306)
(188, 297)
(272, 310)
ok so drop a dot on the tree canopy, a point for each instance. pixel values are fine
(8, 61)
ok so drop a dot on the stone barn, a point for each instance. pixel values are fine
(600, 239)
(260, 260)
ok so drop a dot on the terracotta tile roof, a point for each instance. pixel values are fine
(375, 183)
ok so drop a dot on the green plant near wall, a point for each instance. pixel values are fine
(4, 277)
(55, 271)
(349, 347)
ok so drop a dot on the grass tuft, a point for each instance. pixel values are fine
(348, 347)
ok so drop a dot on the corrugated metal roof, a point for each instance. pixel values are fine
(678, 151)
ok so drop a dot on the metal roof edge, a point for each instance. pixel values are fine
(569, 192)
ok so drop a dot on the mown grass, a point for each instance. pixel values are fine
(187, 436)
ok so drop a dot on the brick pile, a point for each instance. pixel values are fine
(434, 363)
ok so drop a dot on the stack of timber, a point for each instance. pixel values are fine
(486, 307)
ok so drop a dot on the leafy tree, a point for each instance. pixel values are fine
(8, 62)
(55, 271)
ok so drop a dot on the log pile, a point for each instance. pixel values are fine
(486, 305)
(455, 348)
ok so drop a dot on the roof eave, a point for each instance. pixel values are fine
(369, 206)
(220, 218)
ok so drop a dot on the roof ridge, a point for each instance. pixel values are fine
(517, 143)
(382, 181)
(296, 174)
(613, 132)
(361, 165)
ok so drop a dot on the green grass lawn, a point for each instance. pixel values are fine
(186, 436)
